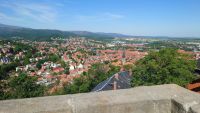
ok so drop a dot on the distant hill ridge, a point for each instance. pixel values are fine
(8, 32)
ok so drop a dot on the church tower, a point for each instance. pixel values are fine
(123, 57)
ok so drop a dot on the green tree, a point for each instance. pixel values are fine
(26, 61)
(4, 69)
(80, 85)
(21, 47)
(1, 91)
(39, 65)
(63, 64)
(67, 68)
(28, 54)
(40, 62)
(88, 80)
(198, 63)
(128, 66)
(164, 67)
(54, 58)
(25, 86)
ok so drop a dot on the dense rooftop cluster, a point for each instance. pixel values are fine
(79, 64)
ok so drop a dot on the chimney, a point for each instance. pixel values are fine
(115, 85)
(115, 81)
(116, 76)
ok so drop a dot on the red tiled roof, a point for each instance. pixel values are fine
(49, 76)
(58, 69)
(192, 86)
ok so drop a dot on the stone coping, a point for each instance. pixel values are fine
(169, 98)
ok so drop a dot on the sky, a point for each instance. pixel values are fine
(175, 18)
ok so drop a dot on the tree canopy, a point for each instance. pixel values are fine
(54, 57)
(164, 67)
(88, 80)
(5, 69)
(23, 86)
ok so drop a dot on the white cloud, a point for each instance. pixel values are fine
(6, 17)
(3, 16)
(39, 12)
(100, 17)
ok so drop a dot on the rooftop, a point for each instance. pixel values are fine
(122, 82)
(147, 99)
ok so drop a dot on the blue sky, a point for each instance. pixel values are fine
(180, 18)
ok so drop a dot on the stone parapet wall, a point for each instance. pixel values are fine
(147, 99)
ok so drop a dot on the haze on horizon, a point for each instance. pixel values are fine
(176, 18)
